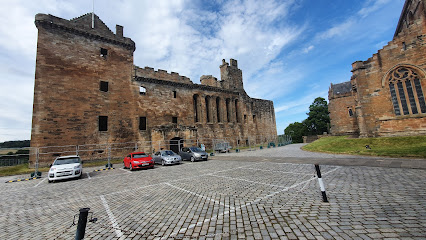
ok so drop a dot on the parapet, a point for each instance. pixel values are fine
(209, 80)
(160, 74)
(87, 25)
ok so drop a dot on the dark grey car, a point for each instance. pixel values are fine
(193, 154)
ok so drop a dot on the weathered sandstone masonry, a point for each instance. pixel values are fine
(386, 93)
(88, 91)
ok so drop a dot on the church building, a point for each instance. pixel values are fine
(386, 93)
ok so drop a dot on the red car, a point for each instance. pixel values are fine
(138, 160)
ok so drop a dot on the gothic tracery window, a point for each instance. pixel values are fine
(406, 91)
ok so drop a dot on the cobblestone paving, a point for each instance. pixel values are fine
(222, 200)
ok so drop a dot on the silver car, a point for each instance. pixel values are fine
(193, 154)
(166, 157)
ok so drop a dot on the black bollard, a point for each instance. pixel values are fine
(82, 221)
(324, 195)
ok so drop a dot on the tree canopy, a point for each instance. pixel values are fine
(296, 131)
(318, 118)
(317, 122)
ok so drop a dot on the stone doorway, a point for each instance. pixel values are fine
(176, 144)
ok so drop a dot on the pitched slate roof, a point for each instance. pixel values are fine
(341, 88)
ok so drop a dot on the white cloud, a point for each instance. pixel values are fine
(308, 49)
(171, 35)
(337, 30)
(371, 7)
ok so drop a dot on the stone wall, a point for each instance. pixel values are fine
(86, 75)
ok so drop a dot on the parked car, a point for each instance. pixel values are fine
(65, 167)
(166, 157)
(222, 147)
(193, 154)
(137, 160)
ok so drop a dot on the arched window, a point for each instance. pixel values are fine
(228, 110)
(196, 108)
(406, 91)
(208, 115)
(219, 117)
(237, 113)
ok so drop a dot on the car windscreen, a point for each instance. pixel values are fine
(62, 161)
(167, 153)
(196, 149)
(141, 155)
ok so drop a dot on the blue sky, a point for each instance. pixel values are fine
(289, 50)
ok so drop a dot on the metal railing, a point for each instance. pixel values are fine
(45, 155)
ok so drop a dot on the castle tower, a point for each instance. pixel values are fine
(83, 70)
(231, 75)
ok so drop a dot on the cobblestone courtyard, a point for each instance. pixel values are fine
(253, 198)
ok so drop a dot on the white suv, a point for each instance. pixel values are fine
(65, 167)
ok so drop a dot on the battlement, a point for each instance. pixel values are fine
(87, 25)
(231, 75)
(209, 80)
(160, 74)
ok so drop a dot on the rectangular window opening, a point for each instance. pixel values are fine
(104, 52)
(142, 123)
(174, 120)
(103, 86)
(103, 123)
(174, 94)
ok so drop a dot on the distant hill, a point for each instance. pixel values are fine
(15, 144)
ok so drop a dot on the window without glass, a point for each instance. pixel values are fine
(219, 119)
(228, 110)
(237, 114)
(103, 123)
(350, 112)
(142, 123)
(103, 86)
(196, 108)
(104, 52)
(174, 94)
(174, 120)
(208, 115)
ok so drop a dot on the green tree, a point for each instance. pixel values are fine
(296, 131)
(318, 118)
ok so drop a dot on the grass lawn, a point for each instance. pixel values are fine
(411, 146)
(24, 169)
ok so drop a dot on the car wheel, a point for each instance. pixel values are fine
(192, 159)
(130, 167)
(163, 163)
(49, 181)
